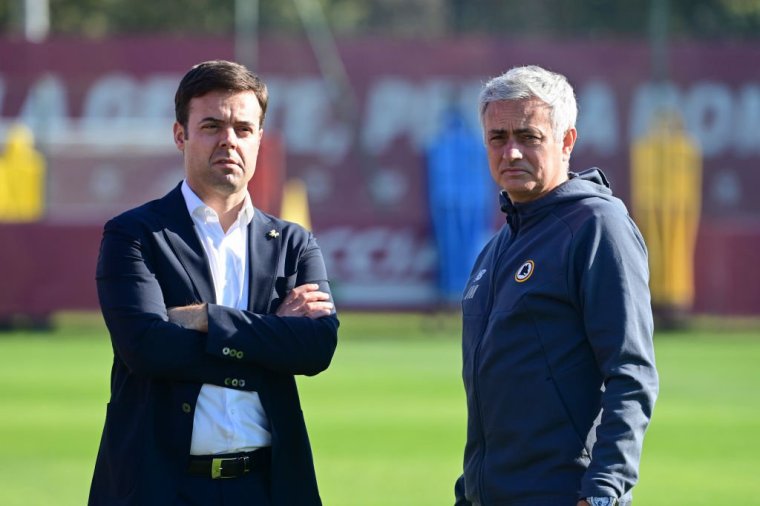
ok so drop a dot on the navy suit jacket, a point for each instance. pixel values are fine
(151, 259)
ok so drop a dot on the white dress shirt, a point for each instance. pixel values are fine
(226, 420)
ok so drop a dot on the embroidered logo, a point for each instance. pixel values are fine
(525, 271)
(479, 275)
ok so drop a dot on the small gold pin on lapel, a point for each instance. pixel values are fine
(273, 234)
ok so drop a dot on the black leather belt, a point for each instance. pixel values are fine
(230, 466)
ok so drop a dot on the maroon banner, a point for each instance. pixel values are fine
(102, 113)
(47, 268)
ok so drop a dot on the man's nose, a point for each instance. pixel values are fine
(228, 138)
(511, 151)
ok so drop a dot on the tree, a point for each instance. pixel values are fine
(717, 19)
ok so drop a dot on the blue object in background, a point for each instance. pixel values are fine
(462, 198)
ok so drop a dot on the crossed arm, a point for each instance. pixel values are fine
(305, 300)
(187, 343)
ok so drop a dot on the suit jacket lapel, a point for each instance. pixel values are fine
(264, 246)
(179, 231)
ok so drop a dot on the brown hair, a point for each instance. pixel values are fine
(217, 75)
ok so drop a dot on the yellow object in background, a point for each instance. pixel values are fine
(22, 178)
(295, 203)
(666, 191)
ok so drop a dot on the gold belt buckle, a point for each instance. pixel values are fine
(216, 469)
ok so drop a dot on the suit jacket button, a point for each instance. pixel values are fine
(225, 351)
(239, 355)
(227, 381)
(186, 407)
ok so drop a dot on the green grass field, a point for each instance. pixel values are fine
(387, 420)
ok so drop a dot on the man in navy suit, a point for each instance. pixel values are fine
(213, 306)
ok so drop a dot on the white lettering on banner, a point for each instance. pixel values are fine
(45, 107)
(306, 114)
(121, 98)
(711, 112)
(708, 114)
(468, 103)
(647, 100)
(390, 113)
(397, 108)
(111, 98)
(598, 122)
(747, 131)
(376, 254)
(156, 98)
(720, 118)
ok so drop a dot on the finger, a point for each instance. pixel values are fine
(313, 296)
(319, 312)
(318, 306)
(305, 298)
(305, 288)
(295, 296)
(305, 311)
(304, 308)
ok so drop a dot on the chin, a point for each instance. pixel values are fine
(517, 189)
(225, 185)
(521, 193)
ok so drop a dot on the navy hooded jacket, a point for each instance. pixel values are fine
(558, 360)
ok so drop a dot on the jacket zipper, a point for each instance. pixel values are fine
(475, 364)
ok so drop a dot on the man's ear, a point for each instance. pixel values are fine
(179, 136)
(568, 142)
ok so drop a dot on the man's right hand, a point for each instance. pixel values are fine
(306, 300)
(194, 316)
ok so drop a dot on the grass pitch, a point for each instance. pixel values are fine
(387, 420)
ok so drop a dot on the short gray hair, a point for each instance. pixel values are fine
(533, 81)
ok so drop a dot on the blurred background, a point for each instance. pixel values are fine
(372, 139)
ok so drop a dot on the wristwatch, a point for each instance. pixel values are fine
(602, 501)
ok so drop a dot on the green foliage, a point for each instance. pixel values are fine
(99, 18)
(696, 19)
(387, 420)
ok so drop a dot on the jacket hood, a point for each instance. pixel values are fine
(580, 185)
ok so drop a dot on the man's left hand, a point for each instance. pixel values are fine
(306, 300)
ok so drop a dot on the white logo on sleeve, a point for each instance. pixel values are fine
(474, 287)
(471, 292)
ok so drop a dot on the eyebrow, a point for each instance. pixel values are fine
(211, 119)
(519, 131)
